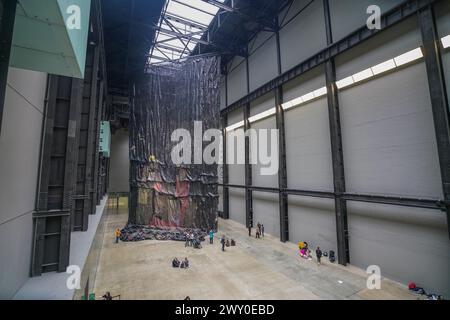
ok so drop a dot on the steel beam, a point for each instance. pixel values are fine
(439, 99)
(248, 166)
(389, 19)
(8, 16)
(248, 171)
(432, 204)
(336, 149)
(73, 130)
(282, 170)
(52, 217)
(225, 180)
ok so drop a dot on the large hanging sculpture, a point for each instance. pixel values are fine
(167, 98)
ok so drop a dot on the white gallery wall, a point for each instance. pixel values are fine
(20, 140)
(389, 144)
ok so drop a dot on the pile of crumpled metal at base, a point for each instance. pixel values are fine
(133, 232)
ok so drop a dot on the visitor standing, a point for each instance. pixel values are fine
(117, 233)
(222, 241)
(211, 236)
(262, 230)
(318, 255)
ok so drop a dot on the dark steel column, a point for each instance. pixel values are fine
(39, 220)
(248, 166)
(6, 33)
(71, 162)
(439, 99)
(248, 171)
(226, 193)
(336, 150)
(282, 170)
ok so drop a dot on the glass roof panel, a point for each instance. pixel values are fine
(182, 16)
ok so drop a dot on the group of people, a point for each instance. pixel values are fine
(259, 230)
(180, 264)
(192, 241)
(305, 252)
(226, 242)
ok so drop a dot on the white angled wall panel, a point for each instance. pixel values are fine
(262, 60)
(307, 82)
(237, 205)
(408, 244)
(349, 15)
(308, 147)
(266, 211)
(304, 36)
(237, 80)
(262, 104)
(260, 178)
(312, 220)
(400, 39)
(388, 136)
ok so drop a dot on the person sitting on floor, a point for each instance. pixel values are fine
(185, 263)
(175, 263)
(233, 243)
(227, 243)
(107, 296)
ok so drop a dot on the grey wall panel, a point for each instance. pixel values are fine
(119, 180)
(388, 136)
(235, 116)
(258, 178)
(266, 211)
(304, 84)
(15, 254)
(262, 60)
(19, 160)
(308, 147)
(304, 36)
(312, 220)
(236, 170)
(442, 10)
(30, 84)
(237, 81)
(19, 150)
(408, 244)
(349, 15)
(384, 46)
(262, 104)
(236, 174)
(237, 205)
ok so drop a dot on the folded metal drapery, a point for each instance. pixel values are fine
(169, 97)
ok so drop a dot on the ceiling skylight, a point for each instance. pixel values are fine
(181, 27)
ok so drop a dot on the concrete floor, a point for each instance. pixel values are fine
(254, 269)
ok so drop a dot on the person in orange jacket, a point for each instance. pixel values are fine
(118, 233)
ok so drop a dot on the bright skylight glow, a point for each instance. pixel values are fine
(446, 41)
(408, 57)
(182, 25)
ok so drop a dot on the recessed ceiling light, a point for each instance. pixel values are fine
(446, 41)
(235, 126)
(408, 57)
(383, 67)
(344, 82)
(262, 115)
(363, 75)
